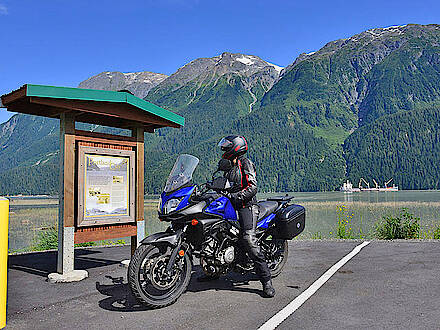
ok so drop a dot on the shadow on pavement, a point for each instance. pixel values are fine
(120, 298)
(229, 282)
(44, 263)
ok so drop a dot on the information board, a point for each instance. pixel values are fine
(105, 186)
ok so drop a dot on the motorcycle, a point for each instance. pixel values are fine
(204, 225)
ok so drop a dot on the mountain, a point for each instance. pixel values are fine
(365, 106)
(232, 83)
(254, 74)
(211, 93)
(352, 82)
(139, 83)
(220, 96)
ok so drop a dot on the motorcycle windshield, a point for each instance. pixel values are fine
(181, 173)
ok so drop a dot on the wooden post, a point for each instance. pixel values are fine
(66, 211)
(138, 133)
(66, 207)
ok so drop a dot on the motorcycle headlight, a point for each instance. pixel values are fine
(171, 205)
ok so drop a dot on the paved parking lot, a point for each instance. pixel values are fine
(386, 285)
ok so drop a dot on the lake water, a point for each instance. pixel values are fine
(323, 209)
(364, 209)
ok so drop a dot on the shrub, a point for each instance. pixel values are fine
(436, 234)
(47, 239)
(405, 225)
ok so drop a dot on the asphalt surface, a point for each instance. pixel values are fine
(387, 285)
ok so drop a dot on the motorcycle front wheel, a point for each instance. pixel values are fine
(149, 280)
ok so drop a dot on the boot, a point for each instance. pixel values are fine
(268, 289)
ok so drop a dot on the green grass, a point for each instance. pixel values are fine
(317, 235)
(34, 229)
(335, 136)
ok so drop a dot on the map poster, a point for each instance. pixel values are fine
(106, 181)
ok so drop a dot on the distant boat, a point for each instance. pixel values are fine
(347, 187)
(386, 188)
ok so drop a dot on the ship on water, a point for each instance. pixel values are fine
(347, 187)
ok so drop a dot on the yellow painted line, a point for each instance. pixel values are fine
(4, 219)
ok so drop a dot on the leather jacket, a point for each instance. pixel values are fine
(243, 178)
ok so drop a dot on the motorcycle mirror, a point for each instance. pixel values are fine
(224, 165)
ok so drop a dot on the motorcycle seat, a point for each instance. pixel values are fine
(265, 208)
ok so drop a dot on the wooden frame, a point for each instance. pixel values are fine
(81, 186)
(90, 234)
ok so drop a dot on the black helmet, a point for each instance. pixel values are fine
(233, 146)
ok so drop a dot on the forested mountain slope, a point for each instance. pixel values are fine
(404, 146)
(351, 82)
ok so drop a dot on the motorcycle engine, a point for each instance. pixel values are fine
(216, 263)
(227, 255)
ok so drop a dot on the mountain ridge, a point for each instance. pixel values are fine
(139, 83)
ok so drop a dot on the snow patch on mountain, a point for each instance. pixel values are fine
(248, 60)
(276, 67)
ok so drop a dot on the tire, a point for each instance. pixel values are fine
(282, 251)
(141, 286)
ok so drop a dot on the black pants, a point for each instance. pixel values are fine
(248, 226)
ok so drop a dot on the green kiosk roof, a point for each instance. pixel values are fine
(116, 109)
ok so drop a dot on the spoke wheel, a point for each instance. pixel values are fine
(149, 280)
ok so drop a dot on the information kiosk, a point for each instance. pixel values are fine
(101, 192)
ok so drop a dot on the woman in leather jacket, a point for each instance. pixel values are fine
(242, 175)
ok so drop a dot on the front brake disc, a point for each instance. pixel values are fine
(160, 278)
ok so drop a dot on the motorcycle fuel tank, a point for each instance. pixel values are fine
(222, 207)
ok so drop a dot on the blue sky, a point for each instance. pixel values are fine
(64, 42)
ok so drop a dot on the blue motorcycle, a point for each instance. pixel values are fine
(204, 225)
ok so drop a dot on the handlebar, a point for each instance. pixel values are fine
(203, 194)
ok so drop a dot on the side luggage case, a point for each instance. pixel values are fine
(290, 222)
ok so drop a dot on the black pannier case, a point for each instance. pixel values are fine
(290, 222)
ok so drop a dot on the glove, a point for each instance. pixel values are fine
(227, 194)
(235, 199)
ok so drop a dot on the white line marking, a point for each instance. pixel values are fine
(283, 314)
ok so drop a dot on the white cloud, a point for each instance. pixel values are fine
(3, 9)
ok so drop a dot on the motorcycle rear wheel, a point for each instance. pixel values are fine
(147, 280)
(280, 251)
